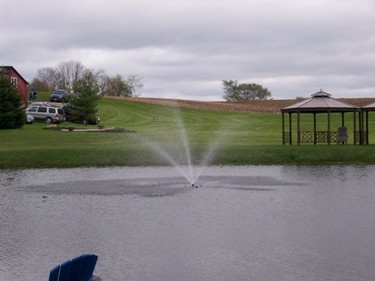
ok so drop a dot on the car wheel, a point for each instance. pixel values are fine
(48, 120)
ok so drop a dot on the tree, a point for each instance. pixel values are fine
(12, 115)
(102, 80)
(38, 85)
(65, 75)
(231, 90)
(244, 92)
(48, 76)
(134, 84)
(85, 99)
(69, 72)
(118, 87)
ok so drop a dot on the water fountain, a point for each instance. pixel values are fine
(187, 169)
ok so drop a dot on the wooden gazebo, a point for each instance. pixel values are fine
(319, 103)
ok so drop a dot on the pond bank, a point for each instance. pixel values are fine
(135, 154)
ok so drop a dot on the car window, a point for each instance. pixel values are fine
(42, 109)
(51, 110)
(32, 109)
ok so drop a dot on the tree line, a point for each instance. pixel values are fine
(66, 74)
(87, 85)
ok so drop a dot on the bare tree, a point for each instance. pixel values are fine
(38, 85)
(66, 74)
(69, 73)
(134, 84)
(117, 86)
(49, 76)
(103, 81)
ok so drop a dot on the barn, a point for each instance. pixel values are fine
(18, 81)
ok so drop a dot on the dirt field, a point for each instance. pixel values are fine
(249, 106)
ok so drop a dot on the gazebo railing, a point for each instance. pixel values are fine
(307, 136)
(321, 136)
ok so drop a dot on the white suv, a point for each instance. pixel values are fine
(46, 112)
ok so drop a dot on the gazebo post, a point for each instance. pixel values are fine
(360, 129)
(355, 127)
(283, 128)
(290, 128)
(329, 128)
(298, 129)
(314, 127)
(342, 119)
(367, 141)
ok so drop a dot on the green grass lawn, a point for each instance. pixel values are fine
(236, 138)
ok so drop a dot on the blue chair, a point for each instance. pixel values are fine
(54, 273)
(87, 268)
(77, 269)
(65, 271)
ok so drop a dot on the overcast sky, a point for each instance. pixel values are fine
(184, 48)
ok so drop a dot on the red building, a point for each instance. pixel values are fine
(18, 81)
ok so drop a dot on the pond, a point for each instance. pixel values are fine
(241, 223)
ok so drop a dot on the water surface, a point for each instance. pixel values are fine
(242, 223)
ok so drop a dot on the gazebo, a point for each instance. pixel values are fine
(322, 103)
(365, 124)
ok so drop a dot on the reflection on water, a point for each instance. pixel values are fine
(242, 223)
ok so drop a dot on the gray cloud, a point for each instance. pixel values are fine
(184, 48)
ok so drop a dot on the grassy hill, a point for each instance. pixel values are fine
(232, 136)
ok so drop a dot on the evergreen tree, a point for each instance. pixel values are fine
(85, 99)
(12, 115)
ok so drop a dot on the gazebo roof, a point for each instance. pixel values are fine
(369, 107)
(320, 102)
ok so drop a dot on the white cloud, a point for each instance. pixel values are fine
(184, 48)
